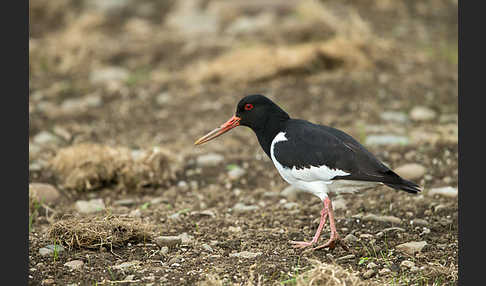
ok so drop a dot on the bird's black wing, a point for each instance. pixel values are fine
(310, 144)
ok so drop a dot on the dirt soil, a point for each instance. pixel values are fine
(130, 85)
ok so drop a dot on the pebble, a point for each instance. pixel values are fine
(411, 247)
(126, 265)
(373, 217)
(80, 104)
(135, 213)
(245, 254)
(384, 271)
(44, 138)
(350, 238)
(422, 113)
(43, 193)
(411, 171)
(407, 264)
(386, 139)
(106, 74)
(448, 192)
(366, 236)
(75, 264)
(396, 116)
(207, 248)
(183, 185)
(164, 250)
(419, 221)
(371, 265)
(49, 250)
(186, 238)
(209, 160)
(236, 173)
(346, 257)
(369, 273)
(91, 206)
(242, 208)
(168, 241)
(290, 205)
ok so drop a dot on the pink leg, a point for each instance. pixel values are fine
(302, 244)
(335, 239)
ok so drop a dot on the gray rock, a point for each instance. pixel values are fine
(49, 250)
(242, 208)
(183, 185)
(411, 171)
(419, 221)
(350, 238)
(373, 217)
(411, 247)
(236, 173)
(80, 104)
(163, 98)
(245, 254)
(43, 193)
(386, 139)
(45, 138)
(168, 241)
(209, 160)
(127, 265)
(422, 113)
(369, 273)
(290, 205)
(91, 206)
(102, 75)
(371, 265)
(75, 264)
(207, 248)
(448, 192)
(396, 116)
(407, 264)
(164, 250)
(186, 238)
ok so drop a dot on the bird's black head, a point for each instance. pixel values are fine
(255, 111)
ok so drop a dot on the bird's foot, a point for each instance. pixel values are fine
(301, 244)
(332, 243)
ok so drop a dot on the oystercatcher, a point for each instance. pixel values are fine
(310, 157)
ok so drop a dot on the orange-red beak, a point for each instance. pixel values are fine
(227, 126)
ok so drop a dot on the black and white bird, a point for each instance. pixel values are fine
(310, 157)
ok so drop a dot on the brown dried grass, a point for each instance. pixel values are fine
(96, 232)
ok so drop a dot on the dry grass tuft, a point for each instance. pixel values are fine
(87, 166)
(96, 232)
(330, 275)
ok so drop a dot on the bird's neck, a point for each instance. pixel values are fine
(268, 131)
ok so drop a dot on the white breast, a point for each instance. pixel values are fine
(313, 179)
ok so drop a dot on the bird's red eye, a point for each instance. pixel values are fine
(248, 106)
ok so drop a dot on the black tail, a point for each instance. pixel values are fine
(403, 184)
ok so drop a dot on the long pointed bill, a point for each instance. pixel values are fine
(227, 126)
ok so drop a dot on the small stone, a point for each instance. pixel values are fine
(411, 247)
(350, 238)
(186, 238)
(44, 138)
(126, 265)
(396, 116)
(407, 264)
(183, 186)
(135, 213)
(245, 254)
(163, 98)
(411, 171)
(242, 208)
(50, 249)
(75, 264)
(234, 228)
(290, 205)
(107, 74)
(373, 217)
(164, 250)
(91, 206)
(369, 273)
(448, 192)
(124, 202)
(384, 271)
(346, 257)
(371, 265)
(236, 173)
(43, 193)
(386, 139)
(419, 221)
(207, 248)
(209, 160)
(422, 113)
(169, 241)
(366, 236)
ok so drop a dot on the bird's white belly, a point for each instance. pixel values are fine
(314, 180)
